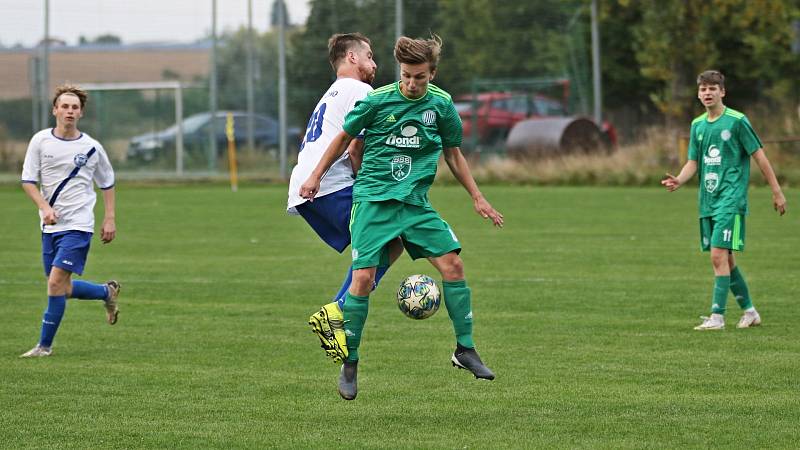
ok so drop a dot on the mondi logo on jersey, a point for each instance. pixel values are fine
(409, 138)
(713, 158)
(401, 167)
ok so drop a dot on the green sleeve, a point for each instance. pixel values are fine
(359, 117)
(693, 150)
(747, 136)
(450, 127)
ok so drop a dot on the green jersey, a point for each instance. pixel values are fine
(722, 149)
(403, 139)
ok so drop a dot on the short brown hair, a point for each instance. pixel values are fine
(418, 51)
(73, 90)
(711, 77)
(340, 44)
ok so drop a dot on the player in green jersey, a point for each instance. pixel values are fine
(407, 125)
(720, 146)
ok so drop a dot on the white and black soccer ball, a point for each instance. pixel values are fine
(419, 297)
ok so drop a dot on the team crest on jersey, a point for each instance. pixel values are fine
(725, 135)
(401, 167)
(711, 182)
(80, 159)
(429, 117)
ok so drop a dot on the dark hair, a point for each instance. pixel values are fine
(711, 77)
(73, 90)
(418, 51)
(340, 44)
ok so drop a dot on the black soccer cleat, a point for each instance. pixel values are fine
(467, 358)
(348, 380)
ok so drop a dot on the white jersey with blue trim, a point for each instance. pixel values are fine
(65, 170)
(325, 123)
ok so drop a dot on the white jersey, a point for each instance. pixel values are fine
(325, 123)
(65, 169)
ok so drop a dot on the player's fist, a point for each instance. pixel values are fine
(779, 202)
(310, 188)
(49, 216)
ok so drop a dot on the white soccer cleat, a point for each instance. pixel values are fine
(714, 322)
(749, 319)
(37, 351)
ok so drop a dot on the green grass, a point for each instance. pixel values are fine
(584, 307)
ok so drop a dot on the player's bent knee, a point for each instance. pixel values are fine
(453, 269)
(362, 282)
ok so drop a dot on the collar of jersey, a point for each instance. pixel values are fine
(400, 91)
(720, 116)
(53, 132)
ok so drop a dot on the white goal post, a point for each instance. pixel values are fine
(177, 86)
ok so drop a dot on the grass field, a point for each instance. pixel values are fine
(584, 307)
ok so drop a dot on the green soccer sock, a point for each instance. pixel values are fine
(457, 300)
(739, 289)
(355, 311)
(721, 286)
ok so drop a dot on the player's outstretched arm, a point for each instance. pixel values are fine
(778, 200)
(672, 183)
(50, 216)
(458, 165)
(310, 187)
(109, 230)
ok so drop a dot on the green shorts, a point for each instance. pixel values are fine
(722, 231)
(374, 224)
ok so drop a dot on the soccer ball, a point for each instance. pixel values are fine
(418, 297)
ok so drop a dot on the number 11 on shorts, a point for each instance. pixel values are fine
(726, 235)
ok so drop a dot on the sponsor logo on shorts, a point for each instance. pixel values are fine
(67, 262)
(401, 167)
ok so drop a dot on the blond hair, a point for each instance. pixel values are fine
(418, 51)
(72, 90)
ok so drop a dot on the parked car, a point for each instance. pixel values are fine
(495, 113)
(149, 146)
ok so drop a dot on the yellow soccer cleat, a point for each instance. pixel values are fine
(328, 325)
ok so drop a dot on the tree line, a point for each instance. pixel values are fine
(651, 50)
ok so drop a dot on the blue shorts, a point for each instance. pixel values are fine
(66, 250)
(329, 216)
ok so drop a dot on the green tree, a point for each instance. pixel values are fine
(748, 41)
(499, 39)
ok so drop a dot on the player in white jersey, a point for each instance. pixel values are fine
(350, 56)
(65, 163)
